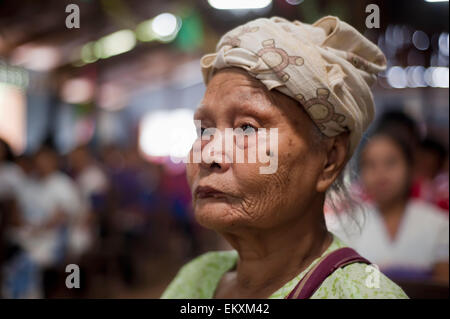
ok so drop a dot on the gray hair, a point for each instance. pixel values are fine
(339, 197)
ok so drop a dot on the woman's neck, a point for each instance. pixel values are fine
(393, 208)
(392, 214)
(269, 258)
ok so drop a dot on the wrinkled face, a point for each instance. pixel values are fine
(384, 170)
(232, 195)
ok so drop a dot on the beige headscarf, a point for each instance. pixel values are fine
(327, 66)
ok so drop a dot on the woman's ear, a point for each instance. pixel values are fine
(336, 156)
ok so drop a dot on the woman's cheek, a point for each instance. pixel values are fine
(191, 172)
(259, 148)
(403, 179)
(244, 148)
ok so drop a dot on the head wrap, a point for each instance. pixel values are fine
(327, 66)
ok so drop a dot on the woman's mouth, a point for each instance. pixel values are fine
(208, 192)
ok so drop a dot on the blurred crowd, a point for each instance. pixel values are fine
(108, 212)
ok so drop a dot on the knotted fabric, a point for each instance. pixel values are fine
(328, 67)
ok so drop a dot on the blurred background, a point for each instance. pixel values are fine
(90, 120)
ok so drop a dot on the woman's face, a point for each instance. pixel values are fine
(231, 195)
(384, 170)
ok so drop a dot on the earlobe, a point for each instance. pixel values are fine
(336, 158)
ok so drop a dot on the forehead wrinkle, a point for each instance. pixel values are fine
(236, 91)
(259, 107)
(237, 78)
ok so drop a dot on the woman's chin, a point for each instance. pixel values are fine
(215, 215)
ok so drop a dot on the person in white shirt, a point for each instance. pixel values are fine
(407, 239)
(54, 205)
(93, 185)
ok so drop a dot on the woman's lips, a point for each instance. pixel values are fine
(208, 192)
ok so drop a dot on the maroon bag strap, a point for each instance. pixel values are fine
(325, 267)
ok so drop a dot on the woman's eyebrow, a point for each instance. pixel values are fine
(255, 108)
(251, 104)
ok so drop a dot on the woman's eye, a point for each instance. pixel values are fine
(248, 128)
(203, 130)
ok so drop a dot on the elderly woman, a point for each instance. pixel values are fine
(311, 82)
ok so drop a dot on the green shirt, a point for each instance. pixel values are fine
(200, 277)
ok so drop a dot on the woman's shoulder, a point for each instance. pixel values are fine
(359, 281)
(426, 212)
(199, 277)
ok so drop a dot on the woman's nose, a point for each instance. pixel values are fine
(214, 157)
